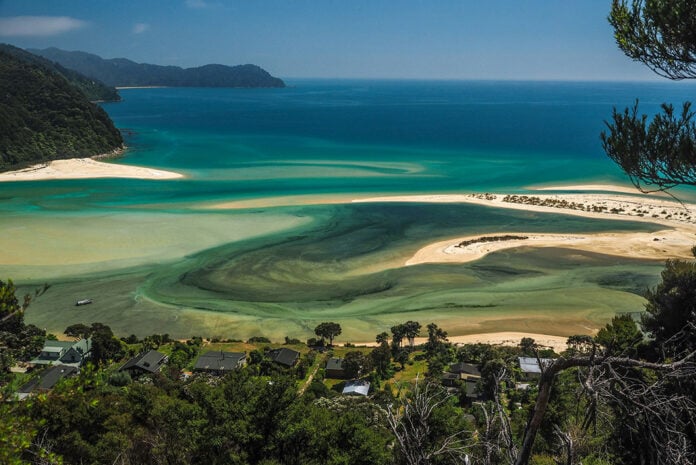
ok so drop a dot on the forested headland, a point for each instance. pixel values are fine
(126, 73)
(46, 115)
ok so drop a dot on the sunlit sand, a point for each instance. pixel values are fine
(83, 168)
(506, 338)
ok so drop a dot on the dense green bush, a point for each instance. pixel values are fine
(43, 117)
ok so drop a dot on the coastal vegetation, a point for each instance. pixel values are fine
(122, 72)
(484, 239)
(44, 117)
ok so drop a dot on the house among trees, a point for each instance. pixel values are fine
(284, 356)
(334, 369)
(463, 375)
(144, 363)
(46, 380)
(531, 367)
(467, 370)
(219, 362)
(64, 353)
(461, 372)
(356, 387)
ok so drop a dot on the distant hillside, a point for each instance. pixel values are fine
(123, 72)
(43, 117)
(93, 89)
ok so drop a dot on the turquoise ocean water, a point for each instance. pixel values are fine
(156, 259)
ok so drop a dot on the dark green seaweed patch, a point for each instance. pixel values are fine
(491, 239)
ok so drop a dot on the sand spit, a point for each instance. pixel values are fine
(84, 168)
(658, 245)
(673, 242)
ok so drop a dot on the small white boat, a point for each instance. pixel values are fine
(83, 302)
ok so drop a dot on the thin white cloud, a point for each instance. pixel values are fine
(38, 25)
(139, 28)
(196, 4)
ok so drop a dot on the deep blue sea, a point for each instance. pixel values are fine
(156, 258)
(403, 136)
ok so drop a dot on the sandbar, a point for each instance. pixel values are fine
(139, 87)
(84, 168)
(675, 241)
(659, 245)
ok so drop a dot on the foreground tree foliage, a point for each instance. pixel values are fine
(658, 33)
(18, 341)
(241, 419)
(661, 34)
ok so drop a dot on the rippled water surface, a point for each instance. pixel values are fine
(155, 258)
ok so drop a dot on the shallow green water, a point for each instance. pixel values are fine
(155, 259)
(347, 265)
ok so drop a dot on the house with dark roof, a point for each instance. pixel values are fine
(334, 369)
(284, 356)
(145, 363)
(356, 387)
(64, 353)
(219, 362)
(465, 368)
(461, 372)
(45, 381)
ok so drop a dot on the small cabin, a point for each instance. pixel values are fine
(219, 362)
(334, 369)
(148, 362)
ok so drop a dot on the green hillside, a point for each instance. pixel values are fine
(93, 89)
(43, 117)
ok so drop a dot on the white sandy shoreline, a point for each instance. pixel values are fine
(85, 168)
(506, 338)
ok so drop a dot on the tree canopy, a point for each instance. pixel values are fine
(328, 330)
(658, 33)
(662, 154)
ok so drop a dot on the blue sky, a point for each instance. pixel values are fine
(416, 39)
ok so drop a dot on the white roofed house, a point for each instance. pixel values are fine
(531, 367)
(64, 353)
(356, 387)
